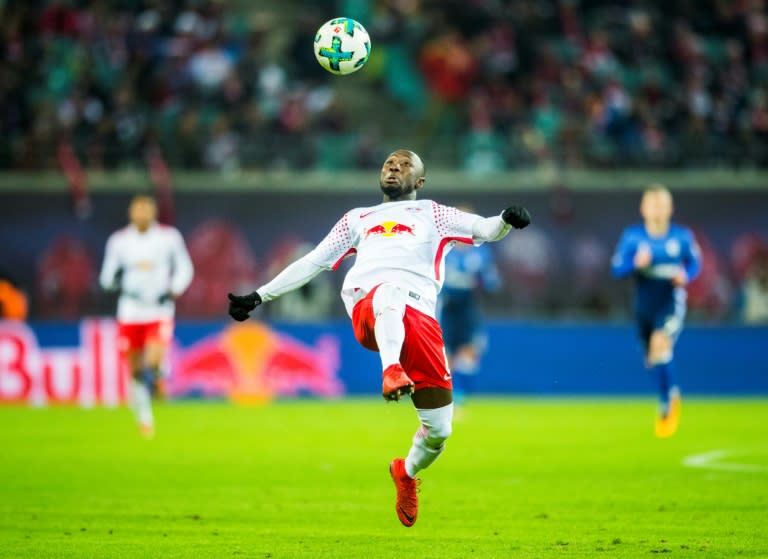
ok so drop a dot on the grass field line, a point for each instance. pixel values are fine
(713, 460)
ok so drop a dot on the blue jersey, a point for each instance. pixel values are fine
(655, 294)
(466, 270)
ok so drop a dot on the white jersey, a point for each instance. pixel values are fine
(149, 265)
(404, 243)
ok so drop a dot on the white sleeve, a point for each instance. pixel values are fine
(327, 255)
(182, 265)
(465, 227)
(110, 266)
(490, 229)
(292, 277)
(335, 247)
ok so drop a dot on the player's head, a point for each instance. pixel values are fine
(142, 212)
(402, 175)
(656, 204)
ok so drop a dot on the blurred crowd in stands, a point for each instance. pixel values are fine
(480, 85)
(484, 85)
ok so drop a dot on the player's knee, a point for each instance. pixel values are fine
(388, 296)
(154, 363)
(437, 434)
(660, 347)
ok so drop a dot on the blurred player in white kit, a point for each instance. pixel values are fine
(148, 265)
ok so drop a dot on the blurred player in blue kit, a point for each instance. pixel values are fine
(468, 271)
(662, 257)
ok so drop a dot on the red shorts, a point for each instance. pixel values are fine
(135, 336)
(423, 355)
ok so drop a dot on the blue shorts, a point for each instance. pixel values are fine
(460, 321)
(670, 322)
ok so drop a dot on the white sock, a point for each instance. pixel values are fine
(429, 440)
(141, 403)
(389, 308)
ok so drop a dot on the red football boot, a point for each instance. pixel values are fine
(407, 503)
(396, 383)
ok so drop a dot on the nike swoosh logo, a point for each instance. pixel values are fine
(367, 214)
(407, 516)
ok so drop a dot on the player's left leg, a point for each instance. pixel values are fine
(427, 445)
(659, 357)
(131, 341)
(154, 354)
(424, 359)
(158, 339)
(388, 309)
(435, 410)
(140, 399)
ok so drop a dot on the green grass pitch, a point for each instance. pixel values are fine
(530, 478)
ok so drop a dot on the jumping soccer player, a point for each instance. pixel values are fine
(391, 292)
(663, 257)
(149, 266)
(467, 271)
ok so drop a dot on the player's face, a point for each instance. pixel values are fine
(656, 206)
(401, 175)
(142, 213)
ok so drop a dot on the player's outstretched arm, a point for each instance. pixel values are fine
(109, 277)
(691, 256)
(496, 228)
(622, 262)
(325, 256)
(292, 277)
(183, 270)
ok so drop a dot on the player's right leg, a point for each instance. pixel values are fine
(659, 359)
(131, 341)
(377, 320)
(388, 307)
(159, 335)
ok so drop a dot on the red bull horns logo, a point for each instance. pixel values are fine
(252, 363)
(246, 363)
(390, 229)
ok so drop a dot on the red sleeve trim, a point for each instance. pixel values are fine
(349, 252)
(441, 248)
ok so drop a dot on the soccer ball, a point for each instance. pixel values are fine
(342, 46)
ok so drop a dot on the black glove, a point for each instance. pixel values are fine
(117, 284)
(516, 216)
(241, 305)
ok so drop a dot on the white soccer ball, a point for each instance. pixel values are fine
(342, 46)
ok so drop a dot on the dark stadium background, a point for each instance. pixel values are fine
(220, 110)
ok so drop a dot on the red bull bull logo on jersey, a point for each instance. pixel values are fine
(390, 229)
